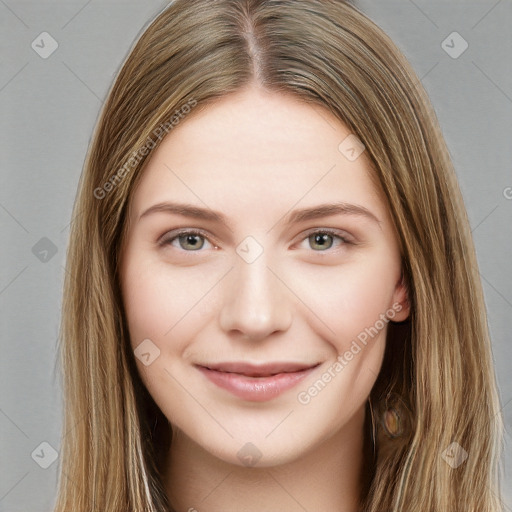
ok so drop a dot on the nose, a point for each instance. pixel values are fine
(256, 303)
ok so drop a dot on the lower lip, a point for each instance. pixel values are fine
(255, 389)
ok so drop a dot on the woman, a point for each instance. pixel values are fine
(272, 299)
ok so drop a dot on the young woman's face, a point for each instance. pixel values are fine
(257, 313)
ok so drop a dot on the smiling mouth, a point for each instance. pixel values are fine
(256, 383)
(262, 370)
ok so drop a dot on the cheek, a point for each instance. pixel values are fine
(145, 307)
(158, 302)
(349, 300)
(159, 306)
(169, 307)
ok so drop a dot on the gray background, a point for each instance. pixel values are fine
(49, 107)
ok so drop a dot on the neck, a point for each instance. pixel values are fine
(327, 477)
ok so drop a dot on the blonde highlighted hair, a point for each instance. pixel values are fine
(438, 364)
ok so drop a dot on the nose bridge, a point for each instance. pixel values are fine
(255, 303)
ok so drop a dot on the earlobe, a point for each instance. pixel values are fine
(401, 304)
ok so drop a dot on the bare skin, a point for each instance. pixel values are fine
(284, 295)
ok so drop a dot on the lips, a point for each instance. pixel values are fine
(265, 370)
(256, 383)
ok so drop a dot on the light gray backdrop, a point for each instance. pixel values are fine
(58, 59)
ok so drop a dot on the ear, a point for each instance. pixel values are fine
(401, 304)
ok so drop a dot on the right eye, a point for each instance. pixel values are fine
(190, 240)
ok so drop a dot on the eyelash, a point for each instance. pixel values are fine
(195, 232)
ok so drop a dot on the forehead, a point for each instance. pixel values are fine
(257, 151)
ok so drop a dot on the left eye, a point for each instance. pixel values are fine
(324, 239)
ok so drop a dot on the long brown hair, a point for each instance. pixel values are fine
(437, 373)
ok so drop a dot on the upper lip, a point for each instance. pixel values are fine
(261, 370)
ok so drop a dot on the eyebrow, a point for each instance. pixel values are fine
(325, 210)
(296, 216)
